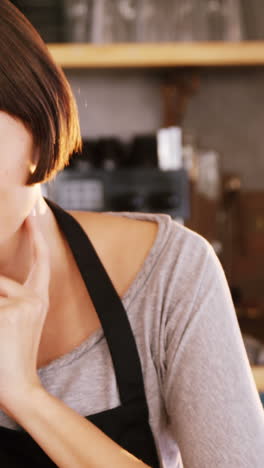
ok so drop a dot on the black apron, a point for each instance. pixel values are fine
(126, 424)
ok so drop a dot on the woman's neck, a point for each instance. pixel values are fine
(17, 253)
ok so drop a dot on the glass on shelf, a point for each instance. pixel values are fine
(209, 174)
(151, 24)
(109, 21)
(204, 20)
(126, 15)
(114, 21)
(77, 18)
(224, 18)
(187, 20)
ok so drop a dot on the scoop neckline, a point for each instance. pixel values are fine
(163, 220)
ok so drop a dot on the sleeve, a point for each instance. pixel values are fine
(212, 402)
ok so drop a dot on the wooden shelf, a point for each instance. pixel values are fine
(201, 54)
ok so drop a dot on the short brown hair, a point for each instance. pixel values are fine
(35, 90)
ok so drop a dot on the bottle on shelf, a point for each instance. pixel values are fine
(151, 22)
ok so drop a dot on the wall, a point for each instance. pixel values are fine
(226, 113)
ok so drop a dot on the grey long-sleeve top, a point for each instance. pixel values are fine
(205, 410)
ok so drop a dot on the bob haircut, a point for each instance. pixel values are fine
(35, 90)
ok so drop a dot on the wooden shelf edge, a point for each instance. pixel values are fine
(258, 374)
(245, 53)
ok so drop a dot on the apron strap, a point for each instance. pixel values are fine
(109, 307)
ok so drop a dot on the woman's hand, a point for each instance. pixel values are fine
(23, 309)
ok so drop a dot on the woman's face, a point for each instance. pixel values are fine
(16, 154)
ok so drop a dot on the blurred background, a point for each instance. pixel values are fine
(170, 96)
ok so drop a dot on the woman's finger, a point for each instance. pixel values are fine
(39, 275)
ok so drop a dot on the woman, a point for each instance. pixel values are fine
(119, 343)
